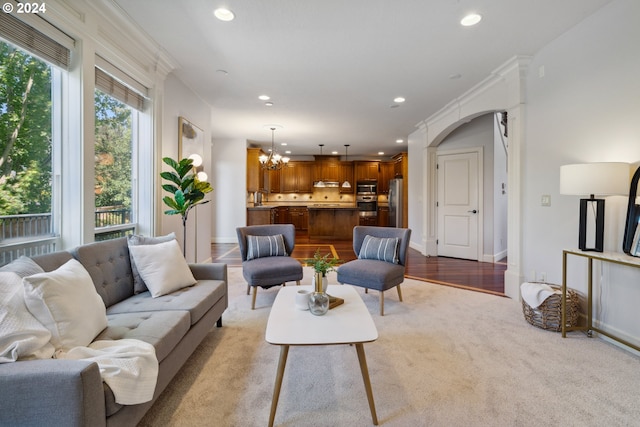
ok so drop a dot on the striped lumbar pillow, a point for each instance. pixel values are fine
(265, 246)
(379, 248)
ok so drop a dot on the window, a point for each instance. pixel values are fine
(113, 167)
(117, 137)
(25, 153)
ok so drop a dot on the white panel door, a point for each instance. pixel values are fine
(458, 188)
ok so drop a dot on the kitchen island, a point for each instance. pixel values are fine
(332, 221)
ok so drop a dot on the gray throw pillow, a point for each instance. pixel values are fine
(265, 246)
(23, 267)
(137, 240)
(380, 248)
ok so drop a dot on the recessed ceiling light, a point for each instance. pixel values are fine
(284, 144)
(399, 141)
(334, 152)
(264, 97)
(268, 104)
(224, 14)
(471, 19)
(399, 99)
(287, 152)
(380, 153)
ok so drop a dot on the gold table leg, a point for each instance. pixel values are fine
(367, 383)
(284, 352)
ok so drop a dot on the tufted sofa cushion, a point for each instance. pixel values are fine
(109, 266)
(162, 329)
(196, 300)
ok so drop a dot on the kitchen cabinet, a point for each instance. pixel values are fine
(401, 170)
(299, 217)
(367, 170)
(332, 223)
(272, 181)
(368, 220)
(383, 216)
(296, 177)
(401, 165)
(260, 216)
(255, 175)
(387, 172)
(281, 215)
(345, 173)
(326, 168)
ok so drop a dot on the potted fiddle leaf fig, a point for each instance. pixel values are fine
(187, 191)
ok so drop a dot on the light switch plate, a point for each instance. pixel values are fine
(545, 200)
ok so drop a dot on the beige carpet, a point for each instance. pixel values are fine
(444, 357)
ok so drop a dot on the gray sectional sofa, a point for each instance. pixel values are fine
(56, 392)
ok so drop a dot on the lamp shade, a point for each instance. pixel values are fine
(604, 179)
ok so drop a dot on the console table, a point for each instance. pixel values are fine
(611, 257)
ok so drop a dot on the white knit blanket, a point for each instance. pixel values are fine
(128, 366)
(534, 294)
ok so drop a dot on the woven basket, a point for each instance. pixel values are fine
(548, 315)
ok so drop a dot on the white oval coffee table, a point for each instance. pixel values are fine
(348, 323)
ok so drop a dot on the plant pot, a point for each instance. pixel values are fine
(319, 300)
(323, 280)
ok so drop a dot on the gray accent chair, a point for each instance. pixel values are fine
(269, 271)
(374, 274)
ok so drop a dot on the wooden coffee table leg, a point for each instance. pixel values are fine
(367, 383)
(284, 351)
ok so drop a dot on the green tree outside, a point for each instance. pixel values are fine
(112, 153)
(25, 133)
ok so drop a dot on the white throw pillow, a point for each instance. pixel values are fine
(22, 337)
(136, 240)
(65, 301)
(162, 267)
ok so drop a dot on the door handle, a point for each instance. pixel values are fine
(473, 211)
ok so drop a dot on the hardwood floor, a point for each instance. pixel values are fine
(472, 275)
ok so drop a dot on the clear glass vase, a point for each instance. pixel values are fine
(319, 303)
(319, 300)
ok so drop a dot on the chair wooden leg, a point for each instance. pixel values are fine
(248, 288)
(381, 303)
(297, 282)
(399, 293)
(253, 299)
(366, 290)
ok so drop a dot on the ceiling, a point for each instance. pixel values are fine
(333, 67)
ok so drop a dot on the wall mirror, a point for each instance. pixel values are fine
(631, 240)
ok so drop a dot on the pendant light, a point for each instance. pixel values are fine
(346, 183)
(320, 184)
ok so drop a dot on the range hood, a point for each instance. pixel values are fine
(326, 184)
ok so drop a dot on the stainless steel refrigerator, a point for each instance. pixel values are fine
(395, 203)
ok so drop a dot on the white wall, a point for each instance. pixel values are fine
(229, 188)
(180, 100)
(584, 109)
(500, 192)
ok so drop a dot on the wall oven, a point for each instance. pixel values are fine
(367, 205)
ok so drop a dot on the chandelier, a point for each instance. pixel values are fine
(273, 161)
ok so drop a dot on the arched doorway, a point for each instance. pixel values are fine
(502, 91)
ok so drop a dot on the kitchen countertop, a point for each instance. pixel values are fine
(308, 206)
(331, 206)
